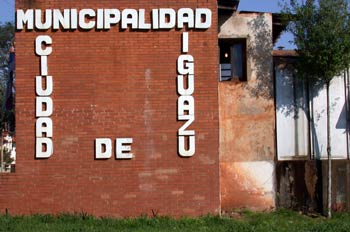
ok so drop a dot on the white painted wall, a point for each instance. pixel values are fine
(337, 120)
(293, 127)
(291, 117)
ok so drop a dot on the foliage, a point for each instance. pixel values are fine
(7, 31)
(7, 35)
(281, 220)
(7, 156)
(322, 36)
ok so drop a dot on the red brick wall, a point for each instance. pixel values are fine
(116, 84)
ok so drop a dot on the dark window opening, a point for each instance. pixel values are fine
(233, 62)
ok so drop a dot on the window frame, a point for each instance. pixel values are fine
(224, 43)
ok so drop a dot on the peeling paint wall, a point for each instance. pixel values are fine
(297, 185)
(341, 185)
(247, 122)
(303, 185)
(247, 185)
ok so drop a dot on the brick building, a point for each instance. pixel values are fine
(111, 84)
(126, 108)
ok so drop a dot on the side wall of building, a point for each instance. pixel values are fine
(301, 170)
(247, 121)
(116, 84)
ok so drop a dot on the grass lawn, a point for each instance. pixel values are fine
(280, 221)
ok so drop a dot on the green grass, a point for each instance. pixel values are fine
(280, 221)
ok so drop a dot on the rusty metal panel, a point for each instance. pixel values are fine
(297, 183)
(340, 185)
(303, 185)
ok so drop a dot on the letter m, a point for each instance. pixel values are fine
(25, 18)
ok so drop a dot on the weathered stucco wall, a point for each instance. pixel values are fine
(247, 121)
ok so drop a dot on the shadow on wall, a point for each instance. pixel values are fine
(260, 54)
(301, 183)
(297, 99)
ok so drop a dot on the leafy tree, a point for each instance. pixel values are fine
(7, 157)
(7, 35)
(7, 31)
(321, 29)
